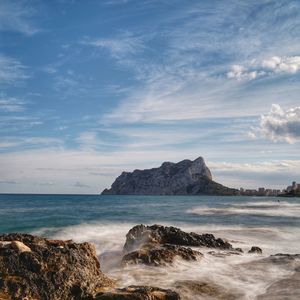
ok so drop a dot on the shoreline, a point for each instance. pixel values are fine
(156, 249)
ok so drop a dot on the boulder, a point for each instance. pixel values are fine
(159, 256)
(138, 293)
(255, 249)
(37, 268)
(146, 236)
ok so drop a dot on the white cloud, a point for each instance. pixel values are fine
(275, 65)
(11, 70)
(239, 72)
(280, 125)
(289, 64)
(16, 16)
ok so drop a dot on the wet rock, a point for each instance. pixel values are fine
(37, 268)
(146, 236)
(190, 289)
(160, 255)
(255, 249)
(139, 293)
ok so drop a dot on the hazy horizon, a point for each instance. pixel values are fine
(90, 89)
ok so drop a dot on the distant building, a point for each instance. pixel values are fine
(295, 187)
(292, 190)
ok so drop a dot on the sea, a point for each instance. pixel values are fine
(273, 224)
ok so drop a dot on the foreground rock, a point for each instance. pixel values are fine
(184, 178)
(142, 236)
(159, 245)
(139, 293)
(38, 268)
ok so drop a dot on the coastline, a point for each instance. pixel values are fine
(29, 262)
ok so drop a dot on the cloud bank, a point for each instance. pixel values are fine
(272, 66)
(280, 124)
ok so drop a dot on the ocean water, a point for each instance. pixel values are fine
(270, 223)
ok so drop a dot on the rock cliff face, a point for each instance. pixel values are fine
(184, 178)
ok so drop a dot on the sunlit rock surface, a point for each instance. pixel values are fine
(184, 178)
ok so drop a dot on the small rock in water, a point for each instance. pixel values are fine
(255, 249)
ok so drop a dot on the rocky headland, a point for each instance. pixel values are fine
(37, 268)
(183, 178)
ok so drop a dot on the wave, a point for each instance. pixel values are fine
(232, 273)
(272, 209)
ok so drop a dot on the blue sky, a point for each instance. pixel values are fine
(91, 88)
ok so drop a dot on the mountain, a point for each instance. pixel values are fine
(183, 178)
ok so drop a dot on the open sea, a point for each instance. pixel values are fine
(270, 223)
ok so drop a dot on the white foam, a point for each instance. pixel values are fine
(271, 208)
(231, 272)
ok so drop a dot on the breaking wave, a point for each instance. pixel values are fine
(272, 209)
(242, 275)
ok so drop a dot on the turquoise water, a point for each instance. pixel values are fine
(270, 223)
(26, 213)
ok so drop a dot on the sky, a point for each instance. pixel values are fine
(89, 89)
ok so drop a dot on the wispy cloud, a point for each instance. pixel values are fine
(259, 167)
(279, 125)
(11, 70)
(17, 16)
(10, 104)
(120, 47)
(186, 79)
(13, 143)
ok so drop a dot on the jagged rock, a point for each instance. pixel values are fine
(139, 293)
(148, 236)
(190, 289)
(184, 178)
(160, 255)
(255, 249)
(51, 270)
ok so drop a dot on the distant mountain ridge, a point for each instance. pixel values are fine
(183, 178)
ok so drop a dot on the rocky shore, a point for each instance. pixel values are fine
(37, 268)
